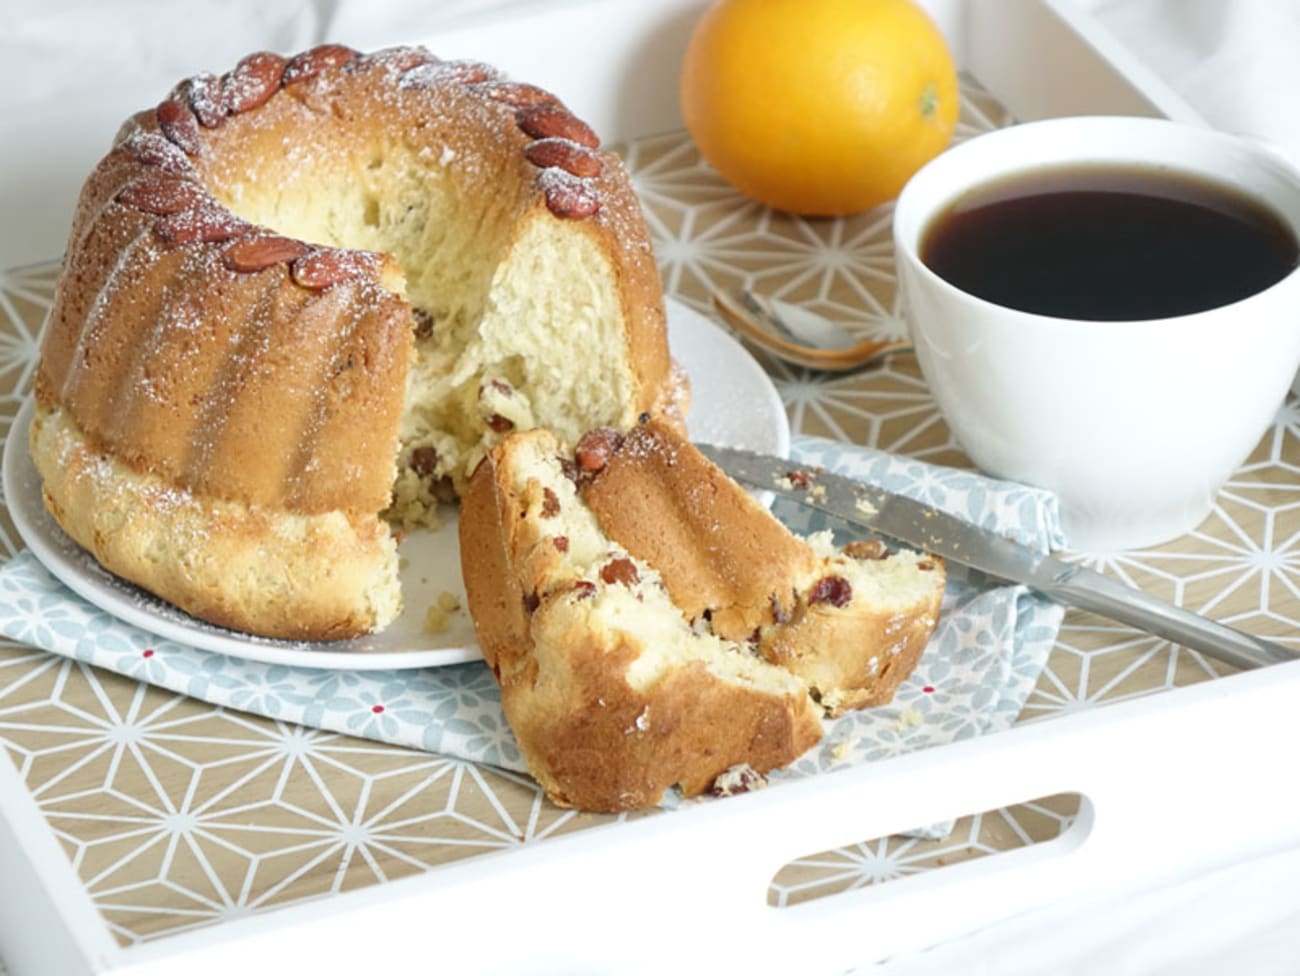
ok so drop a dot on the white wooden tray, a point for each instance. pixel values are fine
(691, 888)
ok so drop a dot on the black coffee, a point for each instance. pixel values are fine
(1109, 243)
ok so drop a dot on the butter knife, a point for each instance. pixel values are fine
(962, 543)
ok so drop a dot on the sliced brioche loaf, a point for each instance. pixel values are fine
(612, 695)
(652, 626)
(851, 623)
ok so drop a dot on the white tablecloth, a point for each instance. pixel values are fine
(69, 67)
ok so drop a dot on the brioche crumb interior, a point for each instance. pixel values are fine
(517, 324)
(879, 584)
(641, 609)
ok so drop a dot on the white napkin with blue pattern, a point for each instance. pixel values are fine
(979, 668)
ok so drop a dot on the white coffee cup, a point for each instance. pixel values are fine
(1135, 425)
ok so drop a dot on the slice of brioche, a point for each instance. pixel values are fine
(652, 625)
(612, 695)
(852, 624)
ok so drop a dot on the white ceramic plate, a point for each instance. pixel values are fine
(732, 402)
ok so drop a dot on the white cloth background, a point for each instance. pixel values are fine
(70, 70)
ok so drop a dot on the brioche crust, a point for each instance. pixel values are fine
(299, 577)
(624, 747)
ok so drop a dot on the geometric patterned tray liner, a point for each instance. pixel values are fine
(176, 814)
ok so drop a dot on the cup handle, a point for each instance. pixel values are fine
(1290, 158)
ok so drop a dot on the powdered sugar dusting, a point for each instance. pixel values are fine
(240, 89)
(331, 266)
(396, 60)
(205, 98)
(448, 73)
(210, 222)
(254, 80)
(157, 151)
(568, 195)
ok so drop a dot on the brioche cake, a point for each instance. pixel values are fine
(652, 626)
(302, 299)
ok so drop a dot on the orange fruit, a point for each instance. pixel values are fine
(818, 107)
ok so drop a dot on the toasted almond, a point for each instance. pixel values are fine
(595, 448)
(310, 63)
(515, 93)
(332, 266)
(158, 152)
(568, 196)
(568, 156)
(252, 82)
(210, 224)
(162, 195)
(203, 94)
(543, 121)
(177, 122)
(262, 251)
(448, 73)
(397, 59)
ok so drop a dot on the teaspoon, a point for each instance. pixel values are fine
(798, 335)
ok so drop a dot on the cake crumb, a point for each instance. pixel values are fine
(438, 617)
(741, 778)
(910, 718)
(843, 749)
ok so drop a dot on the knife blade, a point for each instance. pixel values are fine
(962, 543)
